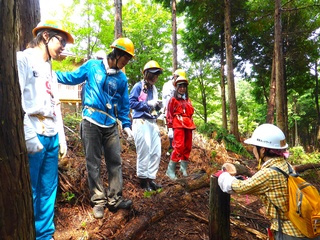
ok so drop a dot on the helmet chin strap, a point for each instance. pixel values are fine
(110, 71)
(46, 44)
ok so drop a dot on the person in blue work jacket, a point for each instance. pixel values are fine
(105, 99)
(145, 103)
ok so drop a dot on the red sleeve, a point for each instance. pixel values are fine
(170, 110)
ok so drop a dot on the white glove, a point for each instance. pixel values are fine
(152, 103)
(225, 181)
(170, 133)
(62, 150)
(34, 145)
(129, 134)
(159, 104)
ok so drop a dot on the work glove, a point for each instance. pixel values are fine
(241, 177)
(170, 133)
(152, 103)
(158, 105)
(161, 110)
(62, 150)
(225, 181)
(34, 145)
(129, 134)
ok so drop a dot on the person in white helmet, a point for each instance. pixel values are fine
(168, 89)
(270, 149)
(43, 125)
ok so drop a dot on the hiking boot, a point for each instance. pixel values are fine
(121, 204)
(144, 184)
(98, 211)
(153, 185)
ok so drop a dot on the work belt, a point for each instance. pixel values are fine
(100, 111)
(41, 119)
(105, 113)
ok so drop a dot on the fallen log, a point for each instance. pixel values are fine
(303, 167)
(135, 228)
(240, 224)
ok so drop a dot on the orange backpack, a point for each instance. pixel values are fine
(304, 204)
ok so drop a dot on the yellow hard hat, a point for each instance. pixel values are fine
(152, 66)
(181, 80)
(180, 72)
(124, 44)
(54, 25)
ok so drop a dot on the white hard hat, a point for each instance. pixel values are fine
(269, 136)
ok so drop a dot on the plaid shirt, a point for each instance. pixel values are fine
(271, 187)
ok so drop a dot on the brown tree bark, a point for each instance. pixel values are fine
(272, 95)
(118, 19)
(16, 214)
(174, 37)
(26, 20)
(223, 85)
(317, 103)
(230, 76)
(280, 90)
(304, 167)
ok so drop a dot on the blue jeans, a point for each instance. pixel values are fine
(95, 139)
(44, 181)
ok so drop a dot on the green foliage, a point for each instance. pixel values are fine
(72, 127)
(200, 34)
(148, 194)
(148, 25)
(72, 120)
(298, 156)
(221, 135)
(68, 196)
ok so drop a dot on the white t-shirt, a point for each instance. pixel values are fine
(39, 96)
(167, 92)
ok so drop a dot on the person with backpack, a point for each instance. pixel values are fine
(270, 150)
(144, 103)
(43, 124)
(105, 99)
(181, 126)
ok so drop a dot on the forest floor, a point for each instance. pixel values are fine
(178, 212)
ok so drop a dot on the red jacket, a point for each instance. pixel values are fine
(179, 113)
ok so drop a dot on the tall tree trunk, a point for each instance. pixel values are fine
(222, 84)
(230, 76)
(29, 19)
(16, 213)
(280, 103)
(89, 50)
(317, 102)
(174, 37)
(118, 19)
(272, 95)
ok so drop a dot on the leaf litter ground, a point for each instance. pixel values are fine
(173, 216)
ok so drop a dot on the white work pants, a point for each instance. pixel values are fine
(148, 145)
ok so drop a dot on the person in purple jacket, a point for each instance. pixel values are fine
(145, 103)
